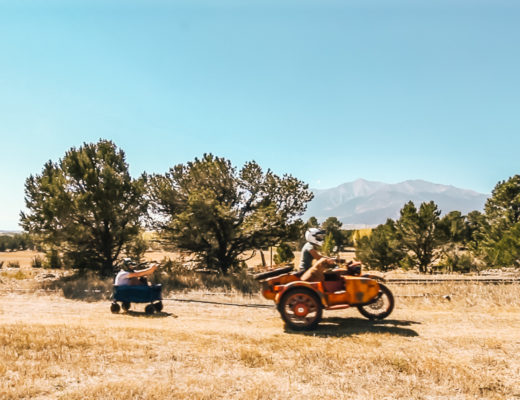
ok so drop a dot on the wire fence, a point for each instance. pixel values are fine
(438, 281)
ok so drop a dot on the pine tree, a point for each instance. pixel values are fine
(419, 233)
(333, 225)
(329, 244)
(284, 254)
(500, 234)
(209, 209)
(86, 206)
(382, 249)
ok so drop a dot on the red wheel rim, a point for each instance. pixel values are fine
(301, 310)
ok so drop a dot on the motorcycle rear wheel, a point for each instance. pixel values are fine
(382, 307)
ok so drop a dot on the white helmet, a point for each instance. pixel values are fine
(315, 236)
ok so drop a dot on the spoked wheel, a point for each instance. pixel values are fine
(301, 309)
(149, 309)
(382, 307)
(126, 305)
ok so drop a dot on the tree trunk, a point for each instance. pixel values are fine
(262, 257)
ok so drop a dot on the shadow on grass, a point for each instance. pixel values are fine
(344, 327)
(81, 286)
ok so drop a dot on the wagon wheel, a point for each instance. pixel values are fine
(126, 305)
(114, 307)
(382, 307)
(158, 306)
(301, 309)
(149, 309)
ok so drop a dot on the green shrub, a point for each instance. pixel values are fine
(407, 263)
(18, 241)
(136, 249)
(18, 274)
(283, 254)
(37, 262)
(53, 259)
(455, 262)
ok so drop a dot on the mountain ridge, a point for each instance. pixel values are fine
(364, 203)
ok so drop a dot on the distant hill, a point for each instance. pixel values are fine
(364, 203)
(9, 233)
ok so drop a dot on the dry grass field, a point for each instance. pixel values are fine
(429, 348)
(24, 258)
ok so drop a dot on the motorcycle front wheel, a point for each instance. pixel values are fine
(301, 309)
(382, 307)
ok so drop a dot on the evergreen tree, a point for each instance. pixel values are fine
(283, 254)
(348, 237)
(382, 249)
(418, 232)
(312, 222)
(500, 240)
(209, 209)
(454, 228)
(333, 225)
(86, 206)
(328, 244)
(476, 227)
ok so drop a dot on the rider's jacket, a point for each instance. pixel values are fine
(306, 257)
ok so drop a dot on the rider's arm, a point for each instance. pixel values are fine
(315, 254)
(143, 272)
(318, 256)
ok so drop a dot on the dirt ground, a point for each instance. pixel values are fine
(429, 348)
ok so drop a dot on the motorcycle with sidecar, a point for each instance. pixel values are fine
(301, 303)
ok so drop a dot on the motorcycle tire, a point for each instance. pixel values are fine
(301, 309)
(381, 308)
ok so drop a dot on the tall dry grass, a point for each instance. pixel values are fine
(429, 348)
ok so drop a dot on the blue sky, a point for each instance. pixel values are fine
(329, 91)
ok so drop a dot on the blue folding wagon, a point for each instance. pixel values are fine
(128, 294)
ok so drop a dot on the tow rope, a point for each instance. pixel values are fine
(220, 303)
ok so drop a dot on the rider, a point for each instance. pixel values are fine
(314, 273)
(128, 276)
